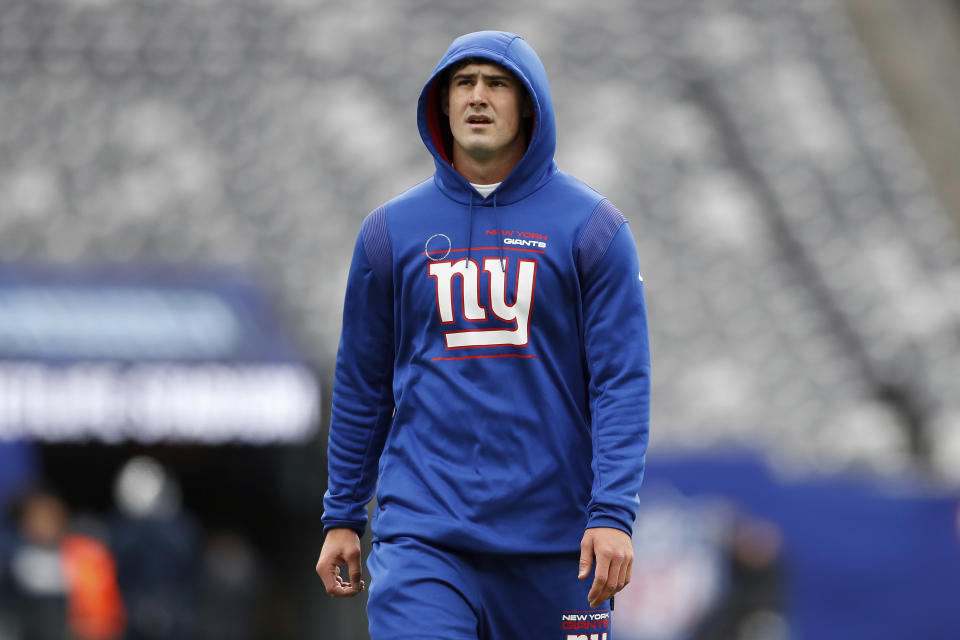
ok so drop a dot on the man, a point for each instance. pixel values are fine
(493, 373)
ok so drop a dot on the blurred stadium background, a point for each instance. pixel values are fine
(181, 183)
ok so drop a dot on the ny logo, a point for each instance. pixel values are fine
(469, 273)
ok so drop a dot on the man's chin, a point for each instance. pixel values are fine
(481, 150)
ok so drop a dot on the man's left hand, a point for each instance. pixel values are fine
(613, 550)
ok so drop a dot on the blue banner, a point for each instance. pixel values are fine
(726, 548)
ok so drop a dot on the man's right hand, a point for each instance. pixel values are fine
(342, 547)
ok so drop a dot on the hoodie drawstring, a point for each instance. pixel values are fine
(470, 231)
(496, 221)
(503, 261)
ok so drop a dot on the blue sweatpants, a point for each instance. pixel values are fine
(420, 591)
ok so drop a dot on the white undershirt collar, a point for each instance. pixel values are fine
(485, 189)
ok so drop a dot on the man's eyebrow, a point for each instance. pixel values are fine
(488, 76)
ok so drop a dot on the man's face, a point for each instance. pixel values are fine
(486, 105)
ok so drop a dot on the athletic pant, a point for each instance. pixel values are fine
(423, 592)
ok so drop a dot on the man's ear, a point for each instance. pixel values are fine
(528, 110)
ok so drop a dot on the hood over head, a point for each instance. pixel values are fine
(511, 52)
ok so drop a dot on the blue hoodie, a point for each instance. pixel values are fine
(503, 410)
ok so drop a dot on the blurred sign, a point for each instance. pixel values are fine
(147, 357)
(131, 322)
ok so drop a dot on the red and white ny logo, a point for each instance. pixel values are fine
(469, 273)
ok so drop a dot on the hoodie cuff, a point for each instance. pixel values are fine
(359, 527)
(607, 521)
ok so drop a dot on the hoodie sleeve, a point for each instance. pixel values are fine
(362, 389)
(618, 361)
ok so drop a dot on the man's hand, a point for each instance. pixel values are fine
(614, 552)
(342, 547)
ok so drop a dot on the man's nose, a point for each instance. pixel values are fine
(479, 95)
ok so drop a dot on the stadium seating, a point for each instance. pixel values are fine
(802, 279)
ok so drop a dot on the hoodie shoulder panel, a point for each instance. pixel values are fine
(604, 222)
(376, 243)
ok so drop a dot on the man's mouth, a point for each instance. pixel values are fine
(478, 119)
